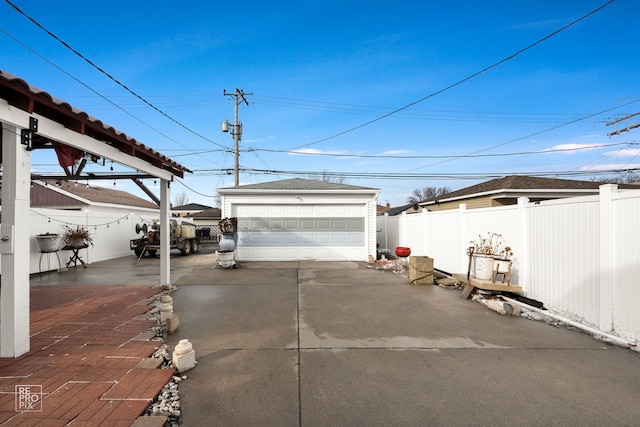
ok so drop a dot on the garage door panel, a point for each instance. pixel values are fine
(300, 239)
(292, 254)
(274, 224)
(289, 232)
(323, 239)
(290, 224)
(323, 224)
(306, 224)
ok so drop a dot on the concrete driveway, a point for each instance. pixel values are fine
(340, 344)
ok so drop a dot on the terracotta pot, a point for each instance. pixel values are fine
(403, 251)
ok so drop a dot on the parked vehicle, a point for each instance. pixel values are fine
(182, 236)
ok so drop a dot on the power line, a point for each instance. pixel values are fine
(444, 156)
(413, 176)
(65, 44)
(533, 134)
(441, 115)
(458, 83)
(99, 94)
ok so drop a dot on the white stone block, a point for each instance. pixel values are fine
(184, 357)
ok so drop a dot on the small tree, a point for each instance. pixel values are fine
(325, 177)
(426, 193)
(180, 199)
(622, 178)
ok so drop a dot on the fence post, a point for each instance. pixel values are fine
(386, 232)
(461, 258)
(425, 234)
(402, 237)
(606, 284)
(523, 251)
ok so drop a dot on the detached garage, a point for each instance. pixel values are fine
(300, 219)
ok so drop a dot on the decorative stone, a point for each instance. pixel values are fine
(184, 357)
(173, 322)
(166, 311)
(421, 270)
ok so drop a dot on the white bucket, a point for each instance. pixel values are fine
(226, 259)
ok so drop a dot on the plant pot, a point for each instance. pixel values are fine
(482, 266)
(48, 242)
(502, 265)
(76, 242)
(402, 251)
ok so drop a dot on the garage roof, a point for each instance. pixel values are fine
(297, 184)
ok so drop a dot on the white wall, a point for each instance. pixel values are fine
(579, 256)
(111, 228)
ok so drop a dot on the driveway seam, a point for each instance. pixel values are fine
(298, 348)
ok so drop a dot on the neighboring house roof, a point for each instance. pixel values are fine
(399, 209)
(382, 209)
(514, 186)
(48, 194)
(297, 184)
(211, 213)
(190, 207)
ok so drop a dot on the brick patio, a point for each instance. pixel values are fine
(88, 353)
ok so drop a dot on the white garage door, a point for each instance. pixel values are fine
(297, 232)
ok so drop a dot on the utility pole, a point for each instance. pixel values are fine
(238, 97)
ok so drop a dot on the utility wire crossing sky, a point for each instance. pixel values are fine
(553, 81)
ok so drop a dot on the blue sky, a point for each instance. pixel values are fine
(317, 69)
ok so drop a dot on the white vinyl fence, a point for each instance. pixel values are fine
(579, 256)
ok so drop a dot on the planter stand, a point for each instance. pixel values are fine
(48, 244)
(75, 256)
(502, 266)
(473, 283)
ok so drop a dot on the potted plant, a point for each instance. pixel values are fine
(77, 236)
(48, 242)
(486, 252)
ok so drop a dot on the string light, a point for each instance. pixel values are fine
(70, 224)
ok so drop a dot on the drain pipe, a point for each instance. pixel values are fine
(593, 331)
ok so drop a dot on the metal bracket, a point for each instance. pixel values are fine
(6, 239)
(27, 134)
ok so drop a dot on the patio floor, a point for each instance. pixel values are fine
(87, 362)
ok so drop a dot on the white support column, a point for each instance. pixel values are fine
(606, 257)
(14, 245)
(165, 217)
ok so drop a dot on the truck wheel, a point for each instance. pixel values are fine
(152, 253)
(194, 246)
(187, 248)
(138, 252)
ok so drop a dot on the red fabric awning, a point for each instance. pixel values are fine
(67, 156)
